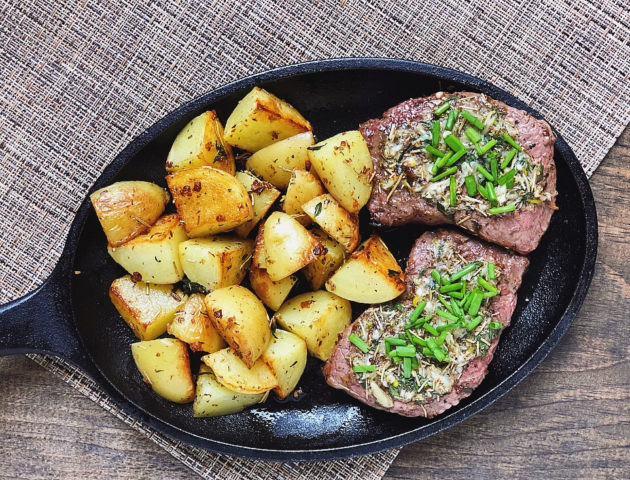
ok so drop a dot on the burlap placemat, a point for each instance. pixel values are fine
(81, 79)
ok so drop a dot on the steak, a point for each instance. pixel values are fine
(470, 351)
(404, 193)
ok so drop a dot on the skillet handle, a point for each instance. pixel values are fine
(39, 322)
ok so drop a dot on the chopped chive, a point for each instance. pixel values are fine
(435, 134)
(511, 141)
(417, 340)
(396, 360)
(466, 304)
(414, 363)
(388, 348)
(358, 342)
(472, 119)
(510, 183)
(494, 169)
(507, 177)
(448, 326)
(495, 325)
(445, 173)
(406, 367)
(508, 159)
(482, 150)
(446, 304)
(417, 311)
(463, 272)
(440, 340)
(475, 303)
(490, 294)
(456, 310)
(442, 108)
(464, 300)
(453, 160)
(364, 368)
(485, 173)
(473, 323)
(454, 142)
(463, 287)
(491, 271)
(451, 119)
(485, 284)
(436, 276)
(471, 185)
(444, 160)
(437, 351)
(435, 168)
(397, 342)
(499, 210)
(434, 151)
(491, 193)
(473, 135)
(431, 329)
(427, 352)
(457, 295)
(453, 191)
(450, 288)
(409, 351)
(482, 191)
(447, 315)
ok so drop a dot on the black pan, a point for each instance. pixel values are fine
(71, 315)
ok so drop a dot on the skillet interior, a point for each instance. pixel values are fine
(326, 423)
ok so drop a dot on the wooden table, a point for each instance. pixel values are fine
(569, 419)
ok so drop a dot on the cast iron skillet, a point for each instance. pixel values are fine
(71, 315)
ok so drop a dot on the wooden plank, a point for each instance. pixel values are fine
(570, 419)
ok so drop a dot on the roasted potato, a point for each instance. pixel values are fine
(286, 358)
(232, 372)
(344, 165)
(320, 269)
(263, 195)
(154, 255)
(127, 209)
(200, 144)
(216, 262)
(288, 245)
(213, 399)
(316, 317)
(209, 201)
(192, 324)
(261, 119)
(302, 188)
(164, 364)
(275, 163)
(146, 307)
(271, 293)
(241, 319)
(371, 275)
(335, 220)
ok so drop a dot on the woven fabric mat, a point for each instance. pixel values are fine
(81, 79)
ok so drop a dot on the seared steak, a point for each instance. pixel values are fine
(466, 335)
(405, 151)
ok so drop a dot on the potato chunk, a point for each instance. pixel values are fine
(146, 307)
(155, 254)
(344, 165)
(275, 163)
(271, 293)
(232, 373)
(286, 358)
(335, 220)
(209, 201)
(241, 319)
(261, 119)
(127, 209)
(199, 144)
(371, 275)
(164, 364)
(320, 269)
(302, 188)
(216, 262)
(316, 317)
(213, 399)
(288, 245)
(192, 324)
(263, 195)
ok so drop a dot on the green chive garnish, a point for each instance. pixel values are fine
(446, 304)
(507, 177)
(466, 304)
(490, 294)
(477, 297)
(447, 315)
(437, 352)
(427, 352)
(451, 288)
(482, 150)
(499, 210)
(473, 323)
(464, 300)
(414, 363)
(494, 168)
(453, 191)
(436, 276)
(508, 158)
(511, 141)
(495, 325)
(445, 173)
(473, 135)
(491, 271)
(409, 351)
(406, 367)
(485, 284)
(510, 183)
(492, 196)
(463, 272)
(440, 340)
(418, 310)
(435, 134)
(363, 368)
(417, 340)
(472, 119)
(482, 191)
(485, 173)
(451, 119)
(435, 151)
(471, 185)
(442, 108)
(358, 342)
(448, 326)
(453, 160)
(454, 142)
(457, 295)
(444, 160)
(456, 310)
(397, 342)
(431, 329)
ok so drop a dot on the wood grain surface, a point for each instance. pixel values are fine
(570, 419)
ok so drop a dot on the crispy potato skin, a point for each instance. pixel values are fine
(233, 373)
(127, 209)
(320, 269)
(335, 220)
